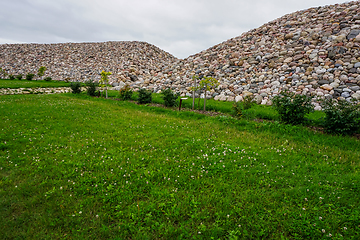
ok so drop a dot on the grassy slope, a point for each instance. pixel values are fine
(6, 83)
(77, 167)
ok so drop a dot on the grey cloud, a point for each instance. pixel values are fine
(181, 28)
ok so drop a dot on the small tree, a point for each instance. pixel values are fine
(104, 80)
(292, 107)
(169, 97)
(144, 96)
(194, 88)
(91, 88)
(19, 77)
(125, 93)
(41, 71)
(342, 117)
(208, 83)
(30, 76)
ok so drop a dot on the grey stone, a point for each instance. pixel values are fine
(345, 94)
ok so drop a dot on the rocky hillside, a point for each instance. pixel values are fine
(313, 51)
(128, 61)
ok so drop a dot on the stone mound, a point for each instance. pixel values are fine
(128, 61)
(313, 51)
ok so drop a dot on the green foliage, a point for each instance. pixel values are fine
(104, 80)
(11, 77)
(48, 79)
(292, 107)
(125, 93)
(207, 83)
(91, 88)
(169, 97)
(144, 96)
(239, 108)
(30, 76)
(41, 71)
(342, 117)
(75, 87)
(19, 76)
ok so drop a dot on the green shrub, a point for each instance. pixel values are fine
(11, 77)
(30, 76)
(144, 96)
(48, 79)
(75, 87)
(125, 93)
(239, 107)
(19, 77)
(91, 88)
(292, 107)
(342, 117)
(169, 97)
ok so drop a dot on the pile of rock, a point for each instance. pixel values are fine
(313, 52)
(128, 61)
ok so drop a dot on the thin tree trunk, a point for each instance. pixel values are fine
(193, 105)
(205, 98)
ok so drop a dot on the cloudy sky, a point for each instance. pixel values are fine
(180, 27)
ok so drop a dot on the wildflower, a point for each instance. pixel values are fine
(323, 230)
(320, 218)
(345, 228)
(306, 199)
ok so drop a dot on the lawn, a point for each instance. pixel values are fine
(75, 167)
(6, 83)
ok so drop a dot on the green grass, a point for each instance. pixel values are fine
(6, 83)
(75, 167)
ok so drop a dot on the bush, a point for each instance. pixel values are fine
(75, 87)
(30, 76)
(342, 117)
(144, 96)
(292, 107)
(48, 79)
(125, 93)
(11, 77)
(91, 88)
(19, 77)
(169, 97)
(239, 107)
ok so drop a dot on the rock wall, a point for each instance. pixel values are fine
(313, 51)
(128, 61)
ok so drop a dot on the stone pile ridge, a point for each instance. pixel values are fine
(128, 61)
(313, 52)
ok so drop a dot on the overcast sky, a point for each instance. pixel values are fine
(180, 27)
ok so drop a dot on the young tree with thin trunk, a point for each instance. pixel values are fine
(104, 80)
(208, 83)
(41, 71)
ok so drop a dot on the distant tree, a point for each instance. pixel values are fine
(104, 80)
(41, 71)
